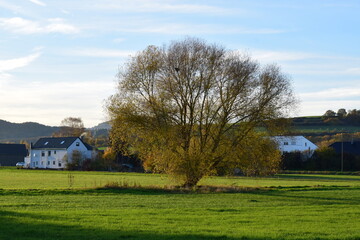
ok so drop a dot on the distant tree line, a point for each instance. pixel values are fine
(342, 116)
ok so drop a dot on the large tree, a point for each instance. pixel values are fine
(190, 108)
(70, 127)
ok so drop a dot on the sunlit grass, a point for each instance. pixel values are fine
(38, 205)
(12, 178)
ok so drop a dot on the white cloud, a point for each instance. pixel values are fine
(316, 108)
(11, 7)
(19, 25)
(58, 25)
(275, 56)
(53, 101)
(162, 6)
(144, 26)
(11, 64)
(98, 52)
(333, 93)
(37, 2)
(24, 26)
(270, 55)
(119, 40)
(4, 78)
(353, 71)
(65, 11)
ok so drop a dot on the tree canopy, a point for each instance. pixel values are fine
(191, 108)
(70, 127)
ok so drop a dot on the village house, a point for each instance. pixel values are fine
(352, 147)
(10, 154)
(295, 144)
(56, 152)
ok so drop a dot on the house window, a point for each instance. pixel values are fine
(42, 163)
(286, 143)
(59, 164)
(49, 153)
(48, 162)
(54, 152)
(77, 144)
(53, 162)
(42, 153)
(36, 163)
(305, 144)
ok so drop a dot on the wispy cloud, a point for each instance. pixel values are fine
(86, 99)
(11, 64)
(333, 93)
(119, 40)
(149, 26)
(98, 52)
(162, 6)
(316, 108)
(271, 56)
(25, 26)
(58, 25)
(37, 2)
(353, 71)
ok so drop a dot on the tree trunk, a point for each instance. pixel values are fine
(191, 182)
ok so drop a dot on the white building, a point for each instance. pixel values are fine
(295, 143)
(55, 152)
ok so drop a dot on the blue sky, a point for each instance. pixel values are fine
(60, 58)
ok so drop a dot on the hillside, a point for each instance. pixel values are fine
(307, 126)
(319, 125)
(32, 131)
(29, 131)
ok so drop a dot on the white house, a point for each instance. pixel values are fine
(295, 143)
(55, 152)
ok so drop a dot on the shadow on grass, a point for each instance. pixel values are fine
(29, 226)
(95, 191)
(201, 189)
(318, 177)
(316, 199)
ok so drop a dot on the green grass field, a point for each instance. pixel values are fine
(38, 204)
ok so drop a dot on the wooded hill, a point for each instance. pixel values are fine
(323, 125)
(307, 126)
(29, 131)
(32, 131)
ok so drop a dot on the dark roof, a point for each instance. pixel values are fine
(57, 142)
(348, 147)
(13, 149)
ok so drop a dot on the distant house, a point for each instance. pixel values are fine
(347, 147)
(56, 152)
(295, 143)
(10, 154)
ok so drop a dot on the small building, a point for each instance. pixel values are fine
(10, 154)
(295, 144)
(56, 152)
(352, 147)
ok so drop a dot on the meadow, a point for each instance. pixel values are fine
(37, 204)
